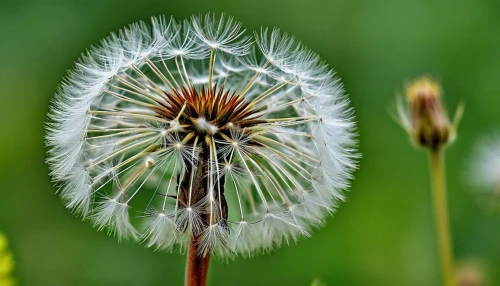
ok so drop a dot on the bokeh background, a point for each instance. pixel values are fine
(383, 235)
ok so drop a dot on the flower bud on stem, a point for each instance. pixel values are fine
(428, 125)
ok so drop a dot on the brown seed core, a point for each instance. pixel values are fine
(213, 107)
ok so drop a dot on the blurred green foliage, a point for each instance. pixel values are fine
(383, 235)
(6, 263)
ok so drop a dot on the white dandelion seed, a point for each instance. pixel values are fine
(191, 129)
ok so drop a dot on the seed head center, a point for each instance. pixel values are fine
(206, 111)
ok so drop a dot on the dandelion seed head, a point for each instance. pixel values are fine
(198, 130)
(485, 164)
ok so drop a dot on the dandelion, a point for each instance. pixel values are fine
(428, 126)
(192, 135)
(485, 168)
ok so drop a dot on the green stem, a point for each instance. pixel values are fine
(441, 216)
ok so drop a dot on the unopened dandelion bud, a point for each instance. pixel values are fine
(430, 123)
(424, 117)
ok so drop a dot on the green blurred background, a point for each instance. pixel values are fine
(383, 235)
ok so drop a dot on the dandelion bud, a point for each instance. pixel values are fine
(429, 124)
(424, 117)
(241, 143)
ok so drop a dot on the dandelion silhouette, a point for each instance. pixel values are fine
(225, 143)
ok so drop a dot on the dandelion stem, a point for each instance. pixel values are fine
(196, 187)
(196, 264)
(441, 216)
